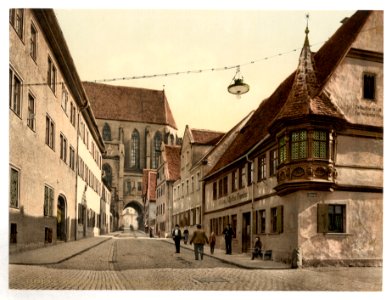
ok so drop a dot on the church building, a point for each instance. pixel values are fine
(133, 123)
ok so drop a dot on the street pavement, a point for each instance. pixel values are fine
(133, 261)
(63, 251)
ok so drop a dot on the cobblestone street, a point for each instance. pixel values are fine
(127, 263)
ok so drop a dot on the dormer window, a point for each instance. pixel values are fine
(369, 86)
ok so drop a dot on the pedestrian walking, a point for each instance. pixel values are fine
(229, 233)
(212, 241)
(186, 235)
(257, 248)
(176, 234)
(199, 238)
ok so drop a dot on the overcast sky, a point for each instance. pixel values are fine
(107, 44)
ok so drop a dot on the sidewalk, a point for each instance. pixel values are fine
(242, 260)
(57, 253)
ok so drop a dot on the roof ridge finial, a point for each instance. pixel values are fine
(306, 44)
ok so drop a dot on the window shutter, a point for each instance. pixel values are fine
(279, 225)
(322, 218)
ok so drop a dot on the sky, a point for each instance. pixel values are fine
(111, 44)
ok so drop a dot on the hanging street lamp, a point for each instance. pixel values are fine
(237, 86)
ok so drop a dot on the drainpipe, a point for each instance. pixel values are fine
(252, 198)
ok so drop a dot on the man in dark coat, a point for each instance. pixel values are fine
(176, 234)
(229, 233)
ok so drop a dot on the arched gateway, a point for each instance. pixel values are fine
(138, 207)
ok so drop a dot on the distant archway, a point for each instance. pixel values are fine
(61, 218)
(139, 215)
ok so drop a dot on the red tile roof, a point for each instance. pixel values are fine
(173, 162)
(325, 60)
(149, 184)
(205, 137)
(129, 104)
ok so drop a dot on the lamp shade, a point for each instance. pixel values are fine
(238, 87)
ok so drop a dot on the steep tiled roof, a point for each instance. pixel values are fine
(173, 161)
(129, 104)
(303, 98)
(205, 137)
(325, 61)
(149, 184)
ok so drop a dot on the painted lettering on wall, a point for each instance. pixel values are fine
(366, 111)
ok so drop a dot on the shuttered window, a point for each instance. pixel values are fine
(331, 218)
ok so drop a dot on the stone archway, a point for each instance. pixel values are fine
(138, 210)
(61, 218)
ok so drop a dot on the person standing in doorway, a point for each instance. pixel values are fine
(199, 238)
(229, 233)
(176, 234)
(212, 241)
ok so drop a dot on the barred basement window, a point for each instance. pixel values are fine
(299, 144)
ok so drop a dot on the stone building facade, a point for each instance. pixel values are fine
(133, 123)
(306, 172)
(47, 107)
(187, 191)
(167, 173)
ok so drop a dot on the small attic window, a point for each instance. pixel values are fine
(369, 86)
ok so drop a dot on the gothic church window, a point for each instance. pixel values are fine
(106, 132)
(135, 149)
(156, 149)
(107, 177)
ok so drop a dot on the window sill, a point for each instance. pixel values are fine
(336, 234)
